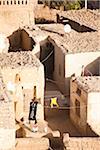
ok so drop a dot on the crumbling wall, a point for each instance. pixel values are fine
(46, 13)
(74, 62)
(18, 13)
(7, 121)
(80, 143)
(30, 77)
(79, 120)
(7, 125)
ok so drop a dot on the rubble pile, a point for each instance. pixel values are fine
(18, 59)
(3, 91)
(89, 83)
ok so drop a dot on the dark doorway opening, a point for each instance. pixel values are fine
(47, 59)
(20, 41)
(74, 25)
(43, 21)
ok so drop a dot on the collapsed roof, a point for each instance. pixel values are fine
(18, 59)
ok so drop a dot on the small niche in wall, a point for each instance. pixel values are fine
(0, 2)
(78, 91)
(34, 91)
(26, 2)
(3, 2)
(18, 2)
(11, 2)
(14, 2)
(17, 78)
(7, 2)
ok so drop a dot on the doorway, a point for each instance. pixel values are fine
(47, 58)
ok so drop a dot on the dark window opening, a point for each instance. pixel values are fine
(3, 2)
(74, 25)
(7, 2)
(18, 2)
(26, 2)
(40, 2)
(34, 92)
(78, 91)
(14, 2)
(17, 78)
(43, 21)
(20, 41)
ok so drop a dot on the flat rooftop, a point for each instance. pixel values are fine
(89, 84)
(18, 59)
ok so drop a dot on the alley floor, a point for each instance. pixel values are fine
(58, 118)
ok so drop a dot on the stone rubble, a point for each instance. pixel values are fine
(18, 59)
(89, 83)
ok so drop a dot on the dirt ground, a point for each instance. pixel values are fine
(59, 120)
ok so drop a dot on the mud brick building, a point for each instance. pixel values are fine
(7, 118)
(85, 103)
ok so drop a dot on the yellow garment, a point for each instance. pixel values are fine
(54, 102)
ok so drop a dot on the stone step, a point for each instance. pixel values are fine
(25, 130)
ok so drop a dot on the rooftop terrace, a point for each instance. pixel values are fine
(89, 84)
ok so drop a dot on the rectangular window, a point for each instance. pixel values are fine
(77, 107)
(78, 91)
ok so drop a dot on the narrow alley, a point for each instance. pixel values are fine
(58, 118)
